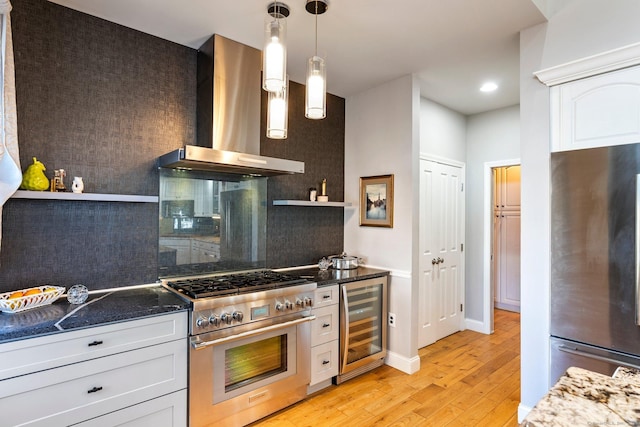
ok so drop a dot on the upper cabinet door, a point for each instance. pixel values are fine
(597, 111)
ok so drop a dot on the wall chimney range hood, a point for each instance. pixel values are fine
(228, 115)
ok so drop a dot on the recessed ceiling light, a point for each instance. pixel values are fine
(488, 87)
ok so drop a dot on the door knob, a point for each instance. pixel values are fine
(434, 261)
(440, 260)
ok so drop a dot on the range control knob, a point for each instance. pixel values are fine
(202, 322)
(288, 304)
(226, 318)
(279, 306)
(299, 302)
(308, 302)
(214, 320)
(238, 316)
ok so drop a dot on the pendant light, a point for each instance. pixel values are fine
(277, 113)
(274, 60)
(316, 90)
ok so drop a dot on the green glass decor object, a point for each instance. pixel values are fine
(34, 177)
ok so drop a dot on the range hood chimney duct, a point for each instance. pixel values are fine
(228, 115)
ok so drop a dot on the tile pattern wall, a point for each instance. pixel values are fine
(302, 235)
(103, 102)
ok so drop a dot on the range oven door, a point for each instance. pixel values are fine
(237, 379)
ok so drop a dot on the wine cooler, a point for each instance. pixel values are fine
(363, 326)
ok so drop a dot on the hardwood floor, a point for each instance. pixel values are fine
(466, 379)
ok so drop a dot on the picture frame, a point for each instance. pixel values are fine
(376, 201)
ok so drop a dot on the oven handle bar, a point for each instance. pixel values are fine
(204, 344)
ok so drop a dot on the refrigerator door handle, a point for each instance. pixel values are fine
(345, 328)
(588, 355)
(637, 249)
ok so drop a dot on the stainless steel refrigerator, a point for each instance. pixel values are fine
(594, 259)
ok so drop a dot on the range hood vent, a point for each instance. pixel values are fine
(228, 115)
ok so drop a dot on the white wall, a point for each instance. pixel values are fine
(442, 131)
(491, 137)
(583, 28)
(381, 137)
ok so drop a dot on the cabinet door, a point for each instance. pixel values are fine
(78, 392)
(324, 362)
(176, 189)
(507, 188)
(507, 265)
(164, 411)
(597, 111)
(325, 327)
(326, 295)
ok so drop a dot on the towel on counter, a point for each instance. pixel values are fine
(10, 172)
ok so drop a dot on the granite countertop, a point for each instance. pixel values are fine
(586, 398)
(333, 276)
(101, 308)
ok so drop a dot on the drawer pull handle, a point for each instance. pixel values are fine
(326, 325)
(93, 390)
(326, 296)
(95, 343)
(325, 362)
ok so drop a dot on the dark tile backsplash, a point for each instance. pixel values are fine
(103, 101)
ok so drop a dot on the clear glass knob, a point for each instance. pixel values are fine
(77, 294)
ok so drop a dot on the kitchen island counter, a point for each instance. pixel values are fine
(99, 309)
(586, 398)
(333, 276)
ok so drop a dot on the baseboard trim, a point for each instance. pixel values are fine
(404, 364)
(523, 411)
(477, 326)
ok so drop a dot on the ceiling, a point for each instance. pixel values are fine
(452, 46)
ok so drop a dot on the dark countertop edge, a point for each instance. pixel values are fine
(333, 276)
(101, 309)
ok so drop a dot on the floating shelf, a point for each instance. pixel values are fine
(93, 197)
(309, 203)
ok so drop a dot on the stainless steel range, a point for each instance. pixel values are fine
(250, 344)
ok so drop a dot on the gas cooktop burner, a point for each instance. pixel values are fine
(233, 284)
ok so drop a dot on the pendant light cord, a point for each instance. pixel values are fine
(316, 3)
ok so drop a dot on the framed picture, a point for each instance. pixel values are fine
(376, 201)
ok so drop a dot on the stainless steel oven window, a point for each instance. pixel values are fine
(255, 361)
(277, 361)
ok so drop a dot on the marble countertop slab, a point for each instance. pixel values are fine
(586, 398)
(99, 309)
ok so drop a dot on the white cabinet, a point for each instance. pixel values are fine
(598, 111)
(204, 251)
(325, 331)
(181, 245)
(507, 188)
(164, 411)
(116, 371)
(506, 238)
(204, 197)
(176, 189)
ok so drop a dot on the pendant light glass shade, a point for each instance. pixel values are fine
(274, 62)
(277, 113)
(316, 94)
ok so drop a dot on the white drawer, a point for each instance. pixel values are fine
(326, 326)
(326, 295)
(36, 354)
(81, 391)
(324, 362)
(164, 411)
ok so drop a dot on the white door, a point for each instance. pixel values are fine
(441, 239)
